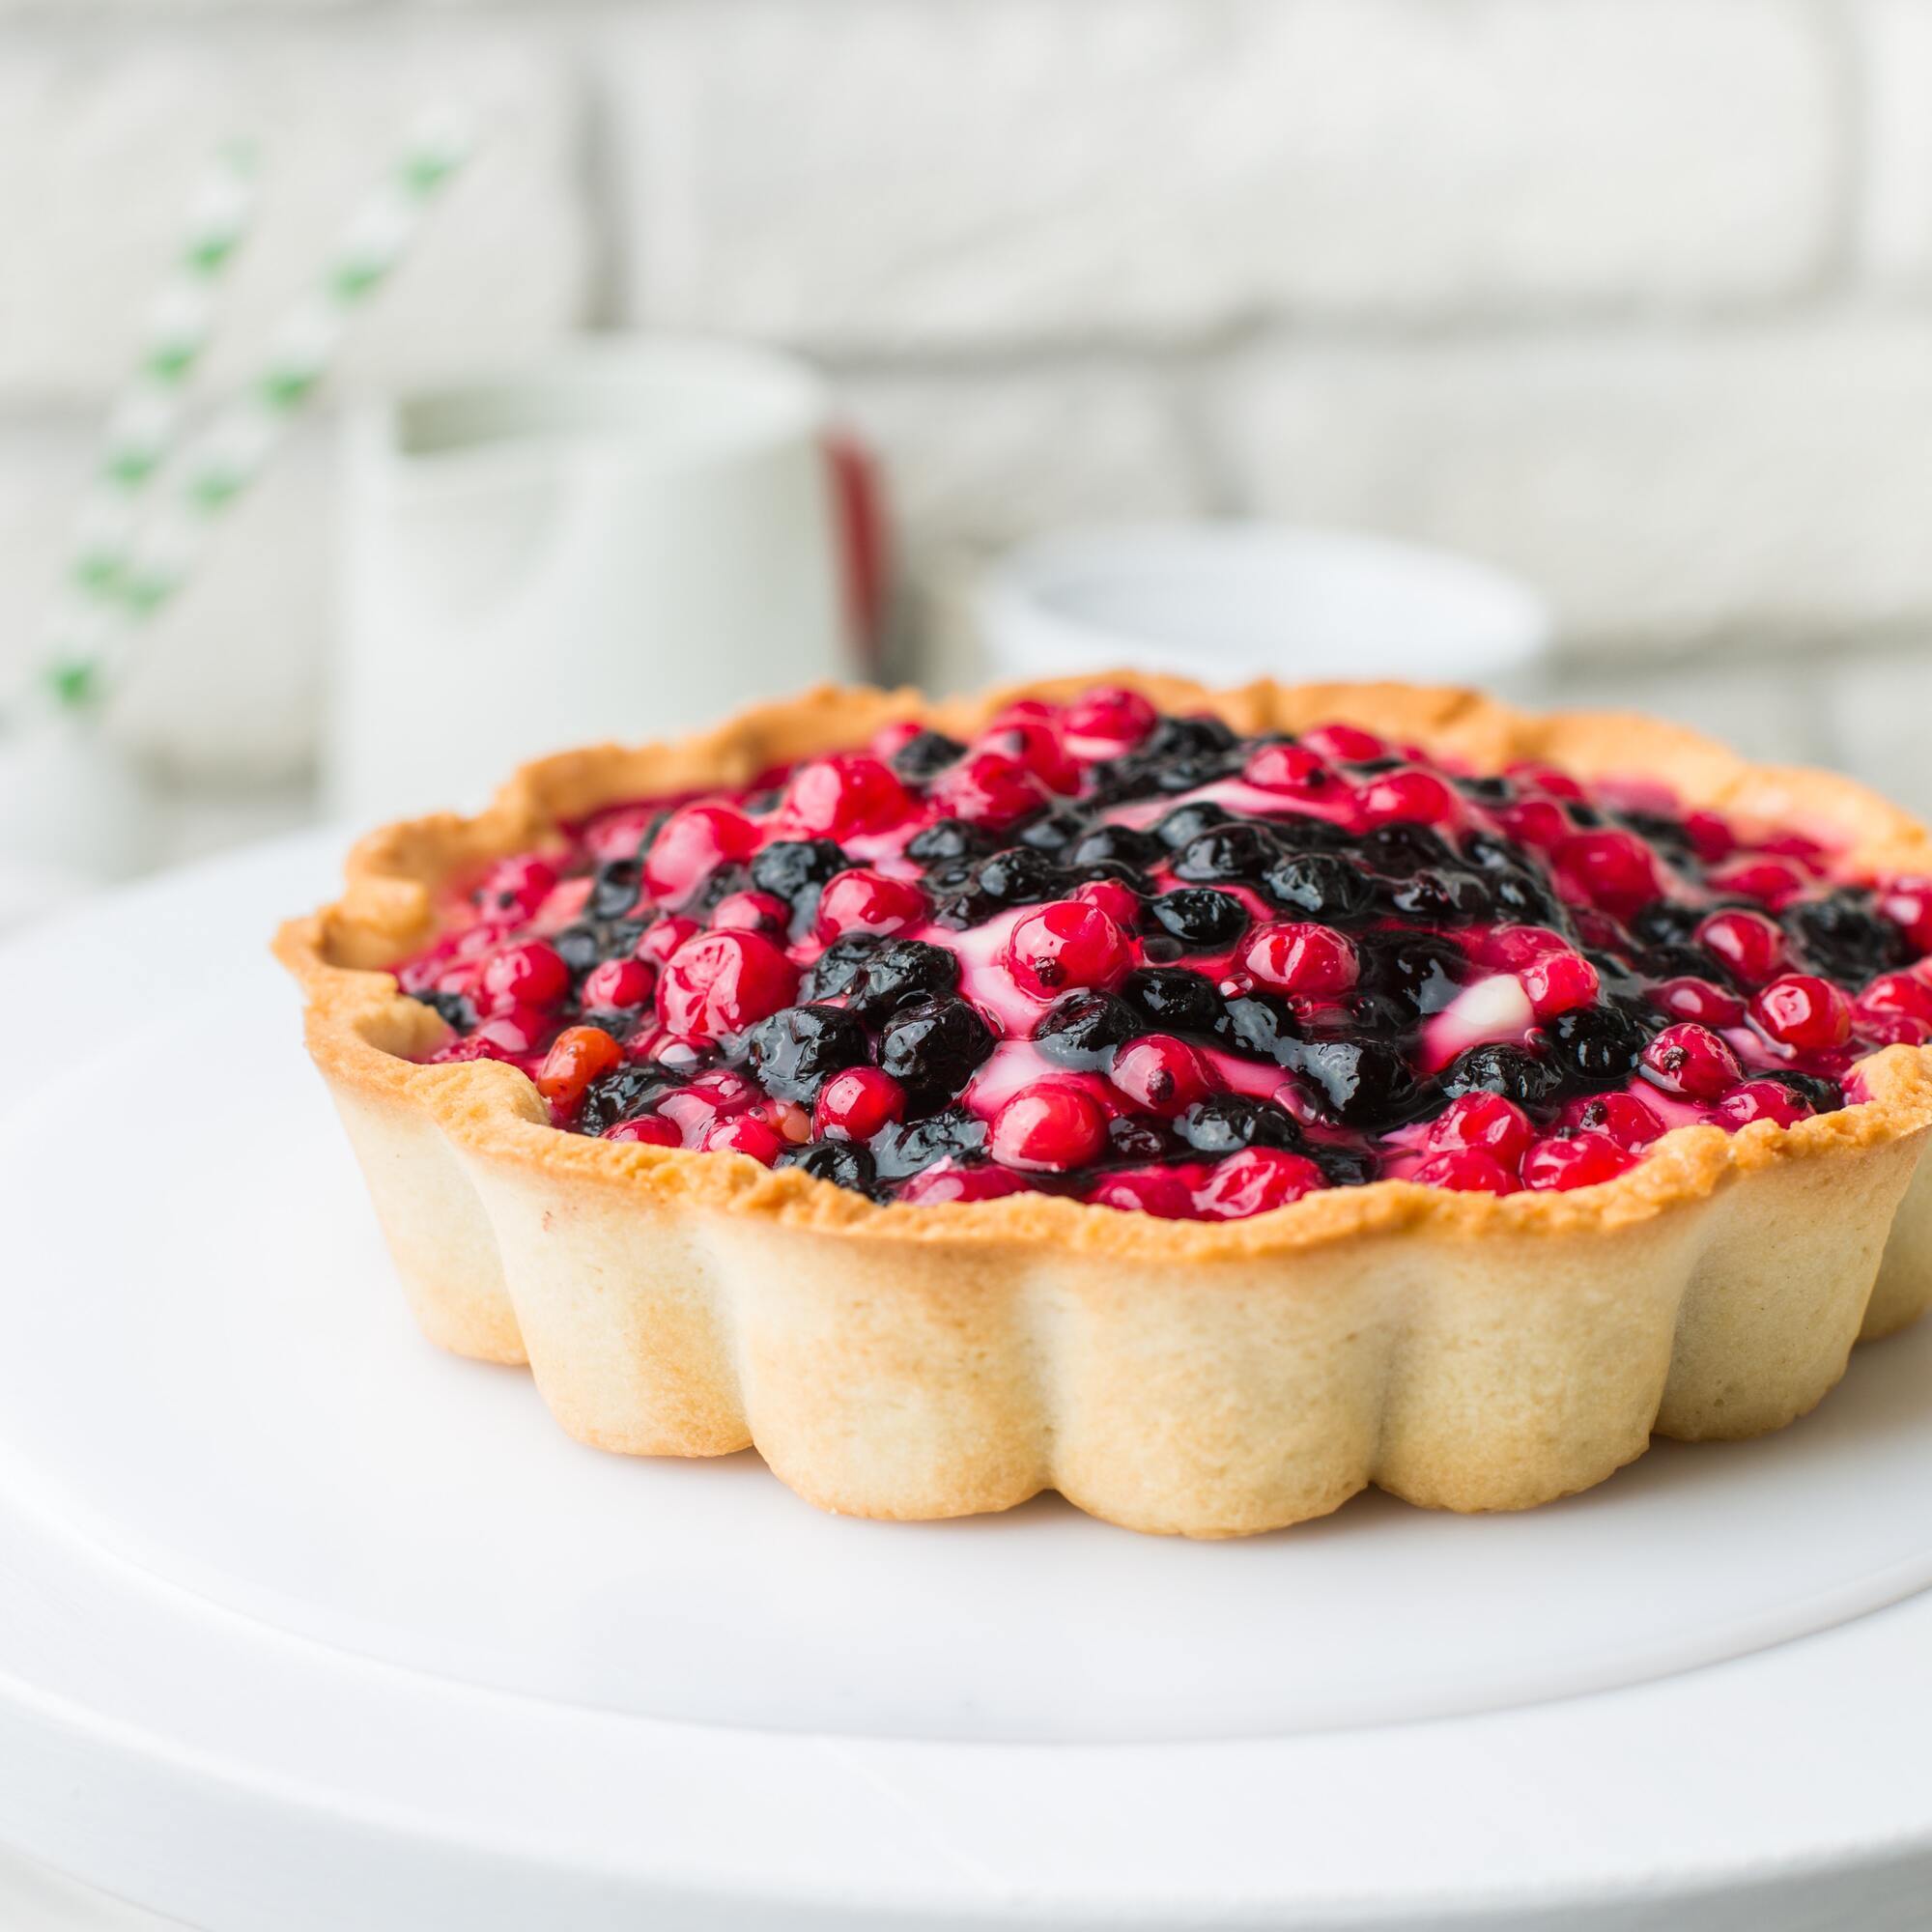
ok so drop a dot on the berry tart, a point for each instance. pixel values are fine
(1201, 1104)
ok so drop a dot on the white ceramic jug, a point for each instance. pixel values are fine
(629, 542)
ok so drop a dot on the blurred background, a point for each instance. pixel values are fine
(1631, 299)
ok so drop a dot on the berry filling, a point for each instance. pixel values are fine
(1147, 963)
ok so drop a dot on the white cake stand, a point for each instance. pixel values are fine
(306, 1625)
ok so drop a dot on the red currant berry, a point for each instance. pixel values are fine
(750, 912)
(934, 1186)
(1066, 943)
(1293, 770)
(1546, 780)
(613, 984)
(515, 887)
(1689, 999)
(856, 1104)
(1750, 944)
(1466, 1171)
(1558, 983)
(1415, 798)
(1486, 1122)
(1345, 744)
(1538, 822)
(1107, 720)
(842, 796)
(1116, 898)
(663, 938)
(722, 983)
(744, 1133)
(1898, 993)
(530, 975)
(515, 1034)
(1165, 1192)
(1581, 1160)
(989, 790)
(1048, 1128)
(1160, 1074)
(577, 1056)
(1907, 905)
(1776, 882)
(1804, 1012)
(1255, 1181)
(1761, 1100)
(1623, 1116)
(1612, 870)
(861, 900)
(648, 1130)
(1295, 957)
(1691, 1059)
(1034, 747)
(690, 844)
(1711, 836)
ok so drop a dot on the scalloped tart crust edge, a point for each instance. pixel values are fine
(1463, 1352)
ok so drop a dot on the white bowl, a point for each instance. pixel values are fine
(1227, 602)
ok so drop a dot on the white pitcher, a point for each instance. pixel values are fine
(628, 542)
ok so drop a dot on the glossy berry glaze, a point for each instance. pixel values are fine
(1140, 961)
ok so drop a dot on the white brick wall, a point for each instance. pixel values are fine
(1633, 294)
(1771, 476)
(1028, 170)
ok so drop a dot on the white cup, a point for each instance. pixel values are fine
(625, 543)
(1227, 602)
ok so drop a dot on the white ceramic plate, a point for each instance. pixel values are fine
(209, 1380)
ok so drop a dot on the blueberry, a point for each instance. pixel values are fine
(843, 1163)
(1224, 1124)
(1343, 1166)
(1319, 884)
(1845, 935)
(935, 1047)
(1666, 922)
(1187, 822)
(1365, 1083)
(947, 839)
(1400, 849)
(1440, 897)
(1237, 851)
(1379, 1015)
(1258, 1027)
(921, 757)
(1201, 918)
(1187, 738)
(1825, 1096)
(579, 947)
(1667, 835)
(1082, 1030)
(1115, 845)
(1486, 790)
(1053, 832)
(1498, 1068)
(795, 1051)
(455, 1009)
(1373, 768)
(622, 1096)
(899, 972)
(951, 1134)
(1523, 899)
(838, 967)
(614, 890)
(1596, 1046)
(1421, 971)
(1676, 963)
(1132, 1138)
(719, 883)
(1020, 876)
(1173, 999)
(795, 865)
